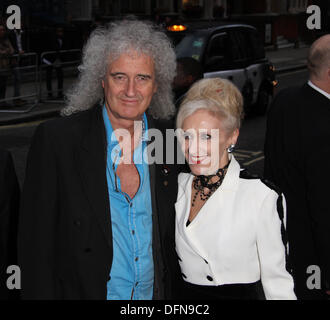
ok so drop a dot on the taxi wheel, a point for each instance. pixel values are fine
(263, 101)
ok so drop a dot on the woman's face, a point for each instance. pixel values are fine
(205, 142)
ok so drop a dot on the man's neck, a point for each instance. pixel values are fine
(133, 127)
(120, 123)
(323, 85)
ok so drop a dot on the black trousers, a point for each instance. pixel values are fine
(236, 291)
(3, 80)
(59, 75)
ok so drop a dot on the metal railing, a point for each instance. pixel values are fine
(26, 66)
(19, 65)
(57, 61)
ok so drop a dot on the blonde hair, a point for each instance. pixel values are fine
(216, 95)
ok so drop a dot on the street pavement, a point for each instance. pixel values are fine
(284, 60)
(290, 59)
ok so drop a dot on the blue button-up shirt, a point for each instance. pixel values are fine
(132, 271)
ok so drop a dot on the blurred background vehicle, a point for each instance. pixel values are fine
(231, 51)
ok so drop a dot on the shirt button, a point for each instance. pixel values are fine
(209, 278)
(137, 258)
(133, 232)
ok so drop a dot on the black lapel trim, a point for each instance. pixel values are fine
(156, 239)
(152, 171)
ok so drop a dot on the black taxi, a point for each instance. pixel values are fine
(229, 50)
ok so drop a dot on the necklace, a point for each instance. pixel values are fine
(201, 182)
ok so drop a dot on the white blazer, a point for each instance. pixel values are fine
(236, 236)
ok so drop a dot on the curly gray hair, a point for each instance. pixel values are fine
(106, 45)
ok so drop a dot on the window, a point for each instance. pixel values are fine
(190, 46)
(218, 53)
(256, 45)
(218, 46)
(241, 50)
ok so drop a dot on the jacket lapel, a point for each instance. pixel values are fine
(157, 225)
(91, 164)
(214, 219)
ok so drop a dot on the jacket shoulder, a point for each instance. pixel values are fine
(68, 126)
(265, 183)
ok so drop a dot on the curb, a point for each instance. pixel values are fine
(30, 118)
(292, 68)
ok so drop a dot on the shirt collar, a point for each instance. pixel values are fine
(112, 142)
(311, 84)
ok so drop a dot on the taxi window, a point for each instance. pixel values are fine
(257, 45)
(246, 45)
(218, 46)
(240, 48)
(190, 46)
(218, 54)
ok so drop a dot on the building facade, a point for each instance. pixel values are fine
(281, 22)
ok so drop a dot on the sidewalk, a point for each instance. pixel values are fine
(284, 60)
(289, 59)
(33, 110)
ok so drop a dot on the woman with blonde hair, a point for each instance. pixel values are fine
(229, 235)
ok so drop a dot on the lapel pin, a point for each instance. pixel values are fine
(165, 170)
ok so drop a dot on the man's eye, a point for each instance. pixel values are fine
(142, 78)
(119, 77)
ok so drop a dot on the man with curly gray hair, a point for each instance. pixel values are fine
(93, 217)
(107, 45)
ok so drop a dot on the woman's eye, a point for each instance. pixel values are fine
(206, 137)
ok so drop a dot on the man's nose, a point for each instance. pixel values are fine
(131, 88)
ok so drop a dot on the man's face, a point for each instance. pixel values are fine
(129, 85)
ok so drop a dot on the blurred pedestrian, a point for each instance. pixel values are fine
(18, 41)
(9, 205)
(297, 153)
(6, 50)
(54, 61)
(97, 23)
(188, 71)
